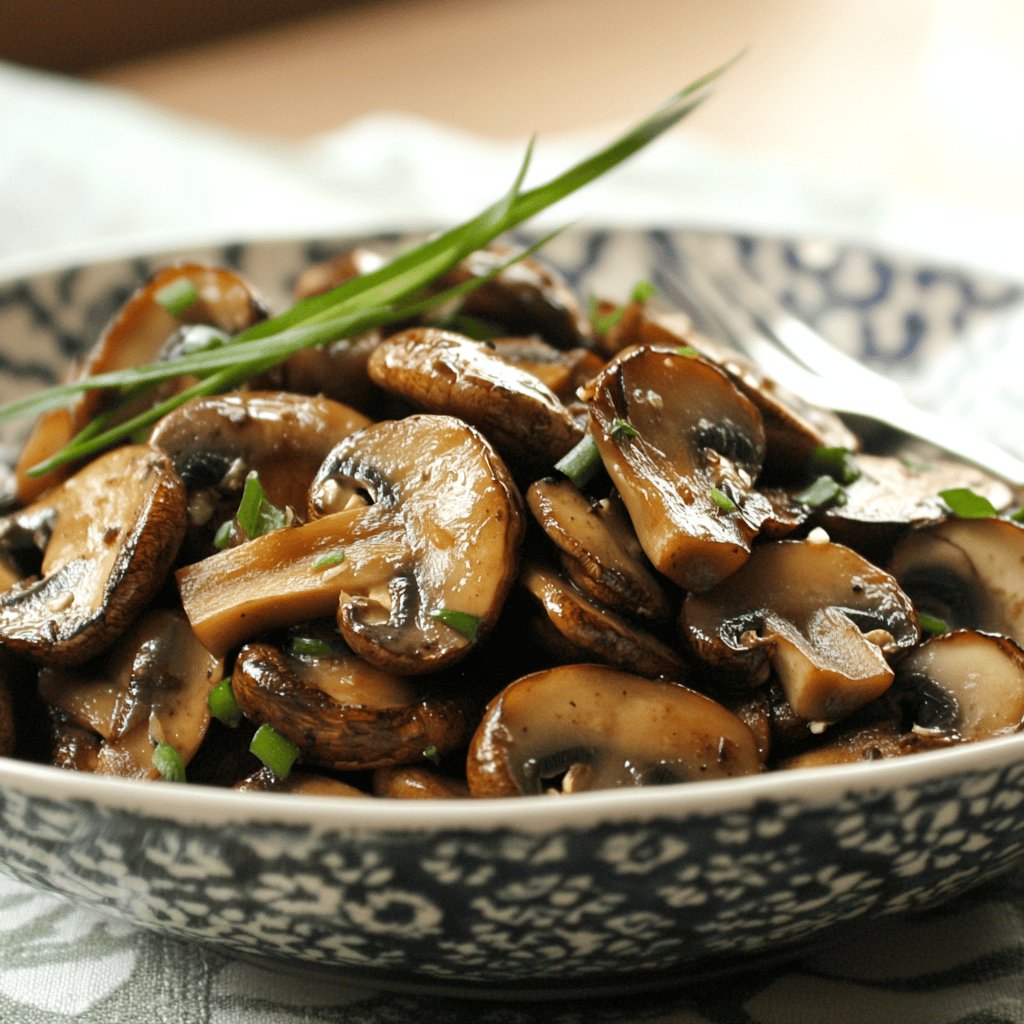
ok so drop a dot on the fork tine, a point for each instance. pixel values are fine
(845, 386)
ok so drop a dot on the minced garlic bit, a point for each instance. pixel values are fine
(817, 727)
(879, 637)
(818, 536)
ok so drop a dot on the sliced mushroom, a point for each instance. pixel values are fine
(215, 441)
(683, 448)
(344, 714)
(443, 372)
(596, 728)
(525, 298)
(893, 494)
(564, 371)
(852, 745)
(417, 782)
(265, 781)
(150, 688)
(596, 633)
(327, 274)
(601, 552)
(436, 546)
(143, 331)
(963, 685)
(74, 748)
(108, 536)
(969, 573)
(818, 614)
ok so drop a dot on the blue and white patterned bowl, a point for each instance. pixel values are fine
(604, 891)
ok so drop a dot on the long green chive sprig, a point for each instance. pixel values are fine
(393, 292)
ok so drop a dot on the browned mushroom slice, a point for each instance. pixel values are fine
(215, 441)
(108, 536)
(344, 714)
(327, 274)
(307, 783)
(151, 688)
(892, 494)
(592, 727)
(818, 614)
(435, 549)
(871, 742)
(525, 298)
(593, 632)
(969, 573)
(562, 370)
(683, 448)
(143, 331)
(443, 372)
(602, 554)
(417, 782)
(74, 748)
(963, 685)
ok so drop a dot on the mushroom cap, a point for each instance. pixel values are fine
(595, 633)
(429, 529)
(601, 552)
(282, 436)
(444, 372)
(263, 780)
(417, 782)
(693, 436)
(345, 714)
(108, 535)
(967, 572)
(963, 685)
(153, 686)
(818, 614)
(603, 729)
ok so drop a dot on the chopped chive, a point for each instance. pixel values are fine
(917, 465)
(332, 558)
(966, 504)
(823, 492)
(932, 626)
(223, 705)
(432, 755)
(177, 296)
(313, 646)
(581, 462)
(169, 763)
(222, 538)
(1018, 516)
(642, 291)
(722, 500)
(837, 462)
(462, 622)
(604, 322)
(275, 751)
(687, 350)
(621, 429)
(256, 515)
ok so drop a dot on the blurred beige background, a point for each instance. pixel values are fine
(921, 96)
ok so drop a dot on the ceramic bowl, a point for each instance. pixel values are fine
(616, 890)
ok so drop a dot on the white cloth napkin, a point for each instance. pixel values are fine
(86, 172)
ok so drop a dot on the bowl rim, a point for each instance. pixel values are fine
(811, 787)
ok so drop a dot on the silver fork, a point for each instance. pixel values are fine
(735, 309)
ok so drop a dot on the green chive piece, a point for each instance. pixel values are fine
(462, 622)
(169, 763)
(1018, 516)
(332, 558)
(966, 504)
(621, 429)
(313, 647)
(916, 465)
(256, 515)
(931, 626)
(604, 322)
(222, 538)
(432, 755)
(722, 500)
(275, 751)
(642, 292)
(223, 704)
(837, 462)
(177, 296)
(823, 492)
(687, 350)
(391, 294)
(581, 462)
